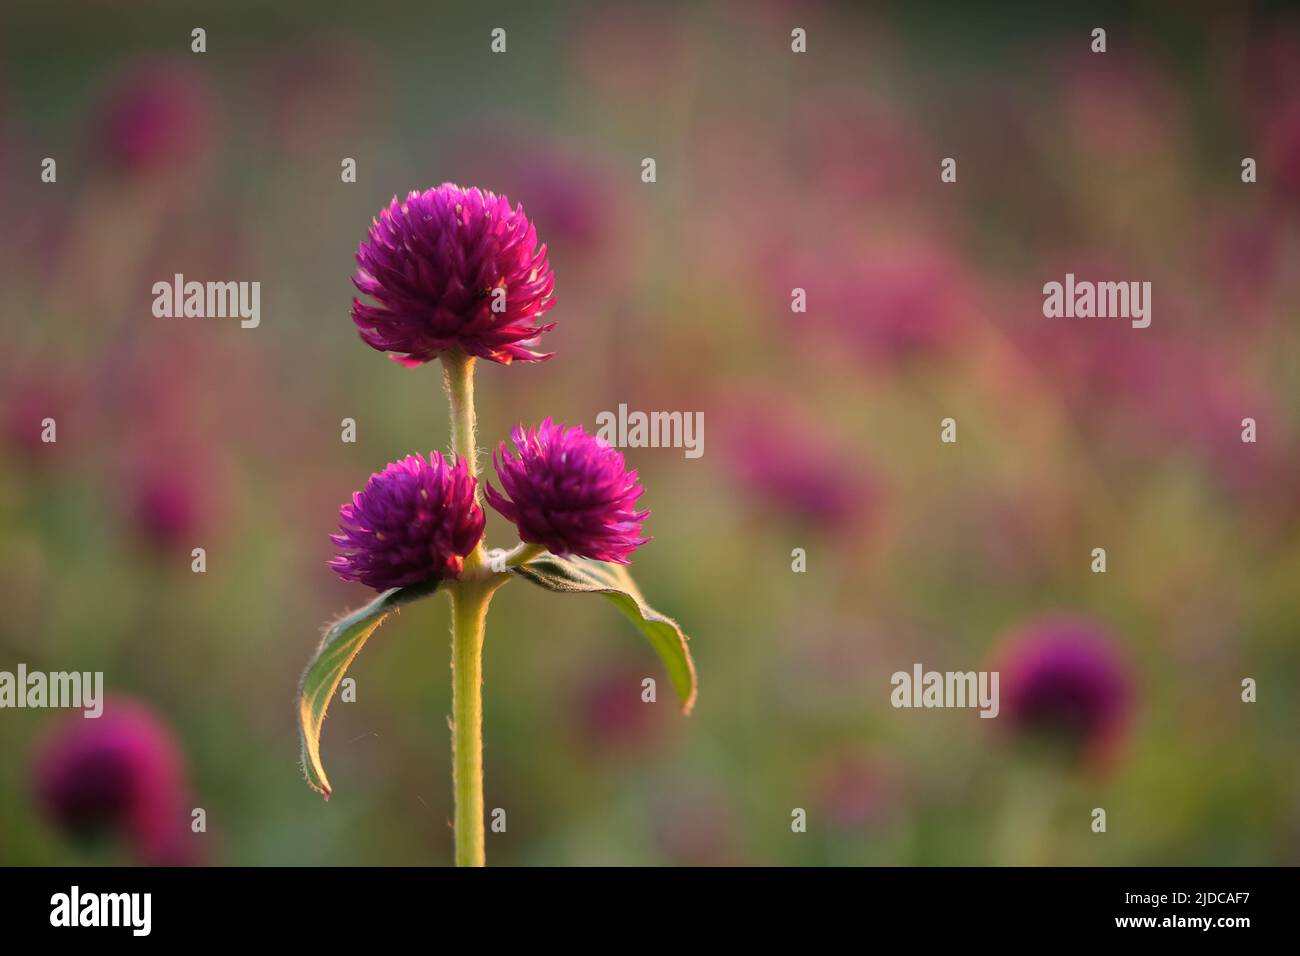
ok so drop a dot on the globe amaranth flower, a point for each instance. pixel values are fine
(1064, 680)
(121, 774)
(569, 492)
(452, 267)
(415, 521)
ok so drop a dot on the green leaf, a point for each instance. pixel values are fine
(582, 575)
(342, 642)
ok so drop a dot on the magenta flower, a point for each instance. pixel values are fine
(414, 522)
(435, 263)
(907, 301)
(121, 773)
(1064, 680)
(783, 460)
(157, 115)
(167, 506)
(29, 399)
(571, 493)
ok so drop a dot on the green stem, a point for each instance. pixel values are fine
(1032, 799)
(470, 597)
(458, 380)
(469, 604)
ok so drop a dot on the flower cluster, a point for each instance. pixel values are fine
(458, 270)
(458, 276)
(418, 518)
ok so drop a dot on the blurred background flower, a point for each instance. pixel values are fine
(155, 118)
(118, 776)
(1064, 685)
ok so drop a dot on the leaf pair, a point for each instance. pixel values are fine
(346, 636)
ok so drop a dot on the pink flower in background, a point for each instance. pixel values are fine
(119, 774)
(1154, 390)
(167, 505)
(1064, 681)
(564, 196)
(889, 304)
(903, 302)
(792, 468)
(453, 268)
(569, 492)
(611, 716)
(29, 400)
(170, 487)
(156, 116)
(1241, 256)
(414, 522)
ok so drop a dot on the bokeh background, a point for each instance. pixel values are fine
(775, 170)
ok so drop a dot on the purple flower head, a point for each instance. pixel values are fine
(1063, 679)
(571, 493)
(120, 773)
(414, 522)
(782, 460)
(157, 115)
(166, 507)
(453, 268)
(171, 490)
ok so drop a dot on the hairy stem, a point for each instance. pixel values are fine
(458, 380)
(469, 604)
(470, 597)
